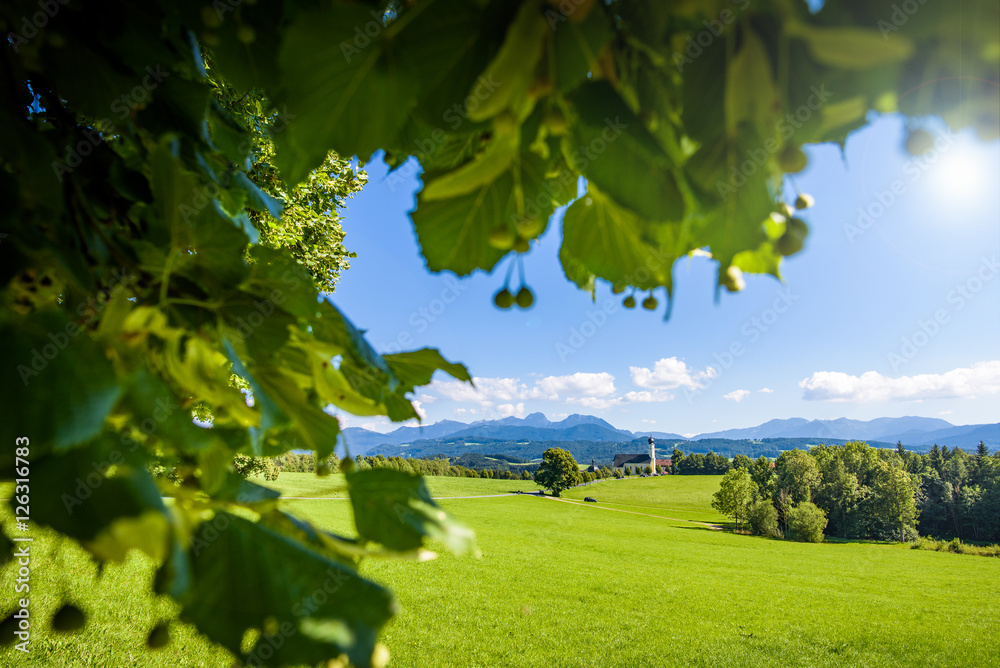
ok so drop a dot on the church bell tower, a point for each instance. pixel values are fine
(652, 454)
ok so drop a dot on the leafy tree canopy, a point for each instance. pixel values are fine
(558, 471)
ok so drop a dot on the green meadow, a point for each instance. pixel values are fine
(642, 578)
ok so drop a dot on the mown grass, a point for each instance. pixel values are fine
(573, 584)
(311, 485)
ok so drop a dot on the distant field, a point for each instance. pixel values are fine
(309, 484)
(562, 583)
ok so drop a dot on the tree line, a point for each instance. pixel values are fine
(856, 491)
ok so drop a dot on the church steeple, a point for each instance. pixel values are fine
(652, 454)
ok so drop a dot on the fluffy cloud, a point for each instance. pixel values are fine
(507, 410)
(576, 385)
(670, 373)
(489, 391)
(647, 397)
(486, 392)
(737, 395)
(595, 403)
(766, 390)
(981, 378)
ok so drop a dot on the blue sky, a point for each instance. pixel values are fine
(892, 309)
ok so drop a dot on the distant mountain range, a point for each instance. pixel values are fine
(914, 432)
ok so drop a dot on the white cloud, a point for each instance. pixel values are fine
(576, 385)
(507, 410)
(489, 391)
(980, 378)
(737, 395)
(670, 373)
(647, 397)
(649, 421)
(766, 390)
(417, 406)
(945, 412)
(595, 403)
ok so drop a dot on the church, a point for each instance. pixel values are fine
(637, 463)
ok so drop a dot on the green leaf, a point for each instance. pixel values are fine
(395, 509)
(418, 367)
(513, 67)
(576, 47)
(612, 147)
(454, 233)
(751, 94)
(853, 48)
(229, 552)
(481, 170)
(259, 200)
(602, 239)
(92, 496)
(49, 357)
(353, 92)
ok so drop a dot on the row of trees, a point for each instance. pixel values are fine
(856, 491)
(708, 464)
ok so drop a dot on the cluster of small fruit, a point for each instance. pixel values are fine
(649, 303)
(516, 237)
(70, 619)
(505, 298)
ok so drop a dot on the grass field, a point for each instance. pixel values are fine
(562, 583)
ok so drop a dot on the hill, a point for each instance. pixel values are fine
(916, 433)
(601, 451)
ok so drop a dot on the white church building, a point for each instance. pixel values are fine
(637, 463)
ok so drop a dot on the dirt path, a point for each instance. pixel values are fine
(713, 527)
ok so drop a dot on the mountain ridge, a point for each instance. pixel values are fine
(910, 430)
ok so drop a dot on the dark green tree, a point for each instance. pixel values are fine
(558, 471)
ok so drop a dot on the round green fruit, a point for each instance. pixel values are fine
(502, 238)
(629, 302)
(159, 637)
(529, 228)
(68, 619)
(650, 303)
(804, 201)
(919, 142)
(522, 246)
(798, 227)
(617, 289)
(792, 159)
(789, 244)
(524, 298)
(503, 299)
